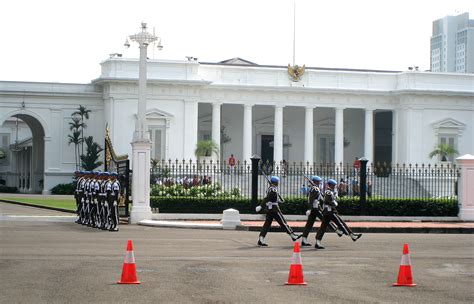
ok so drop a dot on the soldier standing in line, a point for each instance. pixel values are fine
(330, 214)
(90, 199)
(314, 210)
(270, 204)
(85, 198)
(78, 195)
(102, 201)
(94, 199)
(113, 192)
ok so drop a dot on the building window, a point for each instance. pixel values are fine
(451, 140)
(448, 131)
(158, 139)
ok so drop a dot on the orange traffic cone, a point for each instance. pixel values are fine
(129, 271)
(296, 269)
(405, 277)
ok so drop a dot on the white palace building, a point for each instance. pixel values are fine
(328, 115)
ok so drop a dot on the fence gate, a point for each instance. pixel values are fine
(121, 165)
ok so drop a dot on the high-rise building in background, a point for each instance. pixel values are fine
(452, 44)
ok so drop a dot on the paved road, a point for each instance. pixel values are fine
(49, 259)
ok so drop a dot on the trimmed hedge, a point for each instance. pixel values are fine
(374, 206)
(66, 189)
(6, 189)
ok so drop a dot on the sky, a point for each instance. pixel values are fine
(65, 41)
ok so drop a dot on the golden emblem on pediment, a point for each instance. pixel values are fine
(295, 72)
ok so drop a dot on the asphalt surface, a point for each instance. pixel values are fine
(46, 258)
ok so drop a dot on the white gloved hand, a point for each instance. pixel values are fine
(335, 204)
(258, 208)
(308, 212)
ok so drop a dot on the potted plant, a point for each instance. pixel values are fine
(443, 151)
(205, 150)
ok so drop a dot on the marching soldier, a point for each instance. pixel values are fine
(113, 192)
(270, 204)
(314, 210)
(330, 214)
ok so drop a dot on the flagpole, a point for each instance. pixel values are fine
(294, 31)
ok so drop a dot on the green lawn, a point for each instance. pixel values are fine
(69, 204)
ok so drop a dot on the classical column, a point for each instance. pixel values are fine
(247, 132)
(20, 169)
(395, 126)
(339, 137)
(190, 129)
(30, 155)
(216, 127)
(48, 150)
(278, 135)
(308, 135)
(25, 169)
(369, 135)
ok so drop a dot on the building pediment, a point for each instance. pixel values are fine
(448, 125)
(327, 122)
(157, 114)
(268, 121)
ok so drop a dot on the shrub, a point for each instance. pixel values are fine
(6, 189)
(66, 189)
(177, 204)
(347, 206)
(212, 190)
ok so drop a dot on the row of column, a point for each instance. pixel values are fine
(308, 133)
(24, 169)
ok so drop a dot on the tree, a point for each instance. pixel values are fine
(224, 140)
(83, 112)
(443, 151)
(89, 161)
(206, 148)
(75, 139)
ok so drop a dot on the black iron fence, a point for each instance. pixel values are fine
(220, 180)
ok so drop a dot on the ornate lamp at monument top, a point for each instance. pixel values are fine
(141, 145)
(143, 39)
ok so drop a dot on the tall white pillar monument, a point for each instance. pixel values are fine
(141, 144)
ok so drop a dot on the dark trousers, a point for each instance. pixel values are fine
(276, 214)
(315, 213)
(113, 214)
(329, 216)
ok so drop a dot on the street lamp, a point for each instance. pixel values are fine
(141, 145)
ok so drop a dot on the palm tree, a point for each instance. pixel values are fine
(83, 113)
(206, 148)
(75, 139)
(75, 126)
(443, 150)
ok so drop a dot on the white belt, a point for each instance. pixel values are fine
(329, 208)
(271, 204)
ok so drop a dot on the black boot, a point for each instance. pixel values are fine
(295, 236)
(305, 243)
(356, 236)
(318, 245)
(261, 241)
